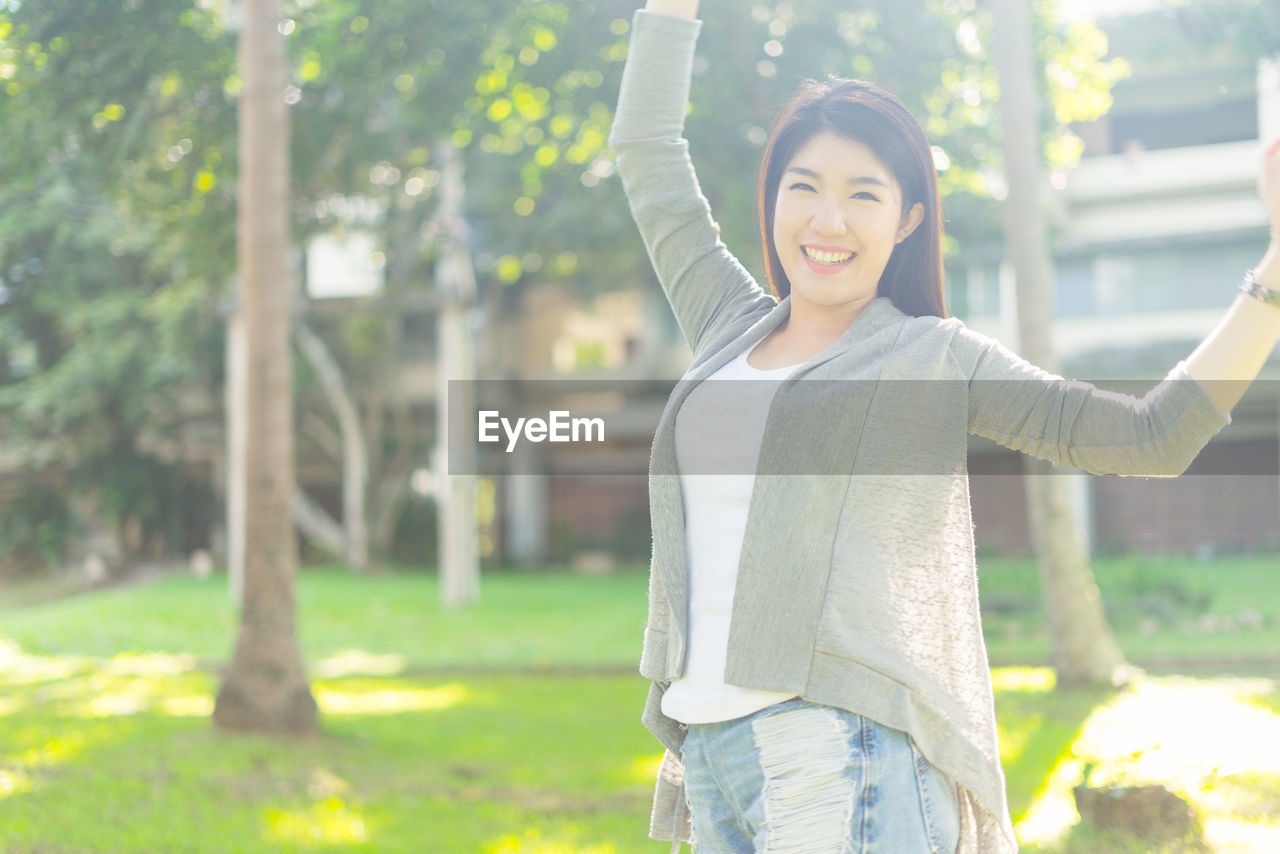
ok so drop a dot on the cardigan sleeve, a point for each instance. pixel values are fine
(705, 284)
(1075, 424)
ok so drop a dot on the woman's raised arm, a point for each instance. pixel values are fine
(1228, 360)
(706, 286)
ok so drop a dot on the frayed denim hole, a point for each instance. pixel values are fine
(808, 798)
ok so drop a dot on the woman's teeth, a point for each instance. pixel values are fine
(822, 257)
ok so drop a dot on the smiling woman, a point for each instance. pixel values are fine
(837, 221)
(813, 640)
(852, 142)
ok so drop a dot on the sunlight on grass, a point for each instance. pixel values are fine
(128, 702)
(329, 822)
(188, 706)
(147, 664)
(1054, 809)
(1037, 680)
(125, 684)
(533, 843)
(645, 769)
(13, 781)
(1014, 738)
(19, 668)
(1192, 736)
(334, 701)
(101, 695)
(55, 751)
(1242, 835)
(355, 662)
(1179, 731)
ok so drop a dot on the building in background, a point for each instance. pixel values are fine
(1154, 229)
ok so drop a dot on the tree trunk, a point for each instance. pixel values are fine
(355, 467)
(266, 687)
(236, 430)
(1084, 650)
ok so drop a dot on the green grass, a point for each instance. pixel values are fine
(489, 764)
(522, 620)
(1160, 608)
(445, 731)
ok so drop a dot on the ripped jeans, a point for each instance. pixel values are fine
(802, 778)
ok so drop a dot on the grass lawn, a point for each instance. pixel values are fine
(1161, 609)
(446, 732)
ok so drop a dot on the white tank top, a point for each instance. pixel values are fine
(719, 431)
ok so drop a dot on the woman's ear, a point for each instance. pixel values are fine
(913, 218)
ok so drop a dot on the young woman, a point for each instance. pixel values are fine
(819, 676)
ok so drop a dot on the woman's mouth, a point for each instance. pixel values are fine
(827, 260)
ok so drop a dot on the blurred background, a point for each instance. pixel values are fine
(449, 175)
(117, 248)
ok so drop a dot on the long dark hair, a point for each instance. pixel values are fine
(865, 113)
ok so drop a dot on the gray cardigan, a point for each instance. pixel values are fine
(857, 585)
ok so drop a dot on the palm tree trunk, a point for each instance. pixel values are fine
(266, 686)
(1083, 648)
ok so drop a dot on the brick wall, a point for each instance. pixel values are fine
(1229, 500)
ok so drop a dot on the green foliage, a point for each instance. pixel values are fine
(1078, 81)
(36, 527)
(117, 213)
(110, 225)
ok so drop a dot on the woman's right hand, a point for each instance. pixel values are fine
(674, 8)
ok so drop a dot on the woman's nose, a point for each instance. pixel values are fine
(829, 219)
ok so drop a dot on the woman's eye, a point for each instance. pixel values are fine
(865, 195)
(800, 185)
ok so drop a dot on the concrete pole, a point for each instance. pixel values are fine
(526, 506)
(455, 394)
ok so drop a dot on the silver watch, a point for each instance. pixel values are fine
(1251, 287)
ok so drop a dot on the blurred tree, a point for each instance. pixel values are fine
(1084, 651)
(106, 316)
(117, 204)
(379, 87)
(265, 688)
(115, 233)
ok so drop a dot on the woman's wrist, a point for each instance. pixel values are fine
(1267, 273)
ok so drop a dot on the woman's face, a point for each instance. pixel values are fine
(836, 221)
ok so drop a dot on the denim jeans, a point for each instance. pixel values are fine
(810, 779)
